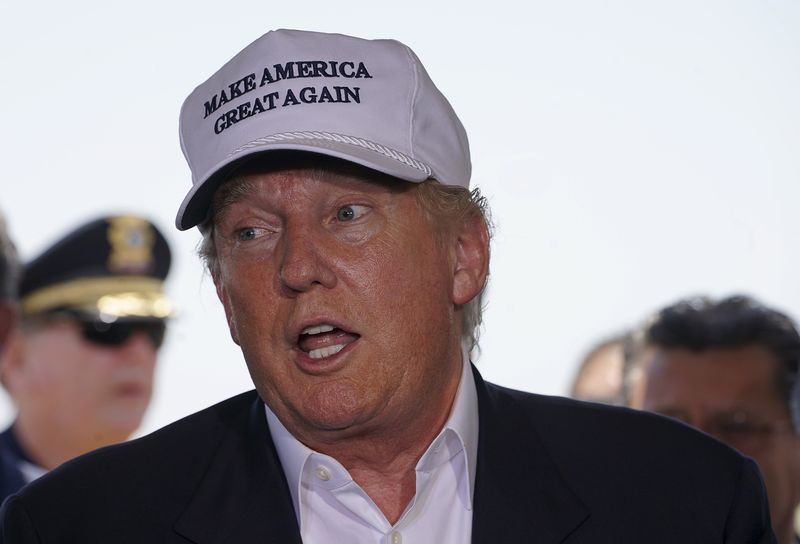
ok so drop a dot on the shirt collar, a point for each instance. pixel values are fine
(461, 425)
(463, 421)
(292, 454)
(29, 469)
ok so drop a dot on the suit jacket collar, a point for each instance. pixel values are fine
(520, 495)
(243, 496)
(11, 454)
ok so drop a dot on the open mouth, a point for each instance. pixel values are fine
(130, 390)
(324, 340)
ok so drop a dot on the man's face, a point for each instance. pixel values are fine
(732, 393)
(600, 377)
(343, 300)
(95, 390)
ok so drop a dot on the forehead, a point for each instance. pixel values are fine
(602, 370)
(50, 330)
(723, 375)
(288, 177)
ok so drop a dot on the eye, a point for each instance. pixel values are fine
(736, 427)
(247, 233)
(350, 212)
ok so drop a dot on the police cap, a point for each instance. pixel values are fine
(110, 268)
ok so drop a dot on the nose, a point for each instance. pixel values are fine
(137, 349)
(304, 262)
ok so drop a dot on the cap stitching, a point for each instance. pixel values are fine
(415, 88)
(339, 138)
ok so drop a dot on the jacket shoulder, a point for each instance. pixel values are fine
(154, 470)
(616, 459)
(640, 476)
(585, 430)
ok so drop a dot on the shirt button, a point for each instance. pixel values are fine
(397, 538)
(323, 474)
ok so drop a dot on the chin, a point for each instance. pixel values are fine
(122, 424)
(334, 407)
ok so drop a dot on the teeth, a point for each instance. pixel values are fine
(317, 329)
(327, 351)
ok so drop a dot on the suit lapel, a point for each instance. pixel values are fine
(519, 494)
(243, 497)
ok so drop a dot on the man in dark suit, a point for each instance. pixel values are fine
(330, 182)
(729, 367)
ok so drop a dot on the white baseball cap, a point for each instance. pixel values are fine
(370, 102)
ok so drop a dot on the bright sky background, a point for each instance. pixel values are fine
(634, 152)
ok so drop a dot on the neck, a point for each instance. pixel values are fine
(48, 445)
(390, 480)
(383, 461)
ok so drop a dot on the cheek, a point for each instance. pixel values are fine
(241, 282)
(253, 308)
(251, 303)
(785, 458)
(411, 287)
(53, 361)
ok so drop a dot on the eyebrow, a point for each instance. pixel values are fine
(230, 192)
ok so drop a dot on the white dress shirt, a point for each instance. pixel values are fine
(331, 507)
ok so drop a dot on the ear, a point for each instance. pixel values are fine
(635, 377)
(222, 294)
(471, 260)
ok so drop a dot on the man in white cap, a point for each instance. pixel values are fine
(330, 182)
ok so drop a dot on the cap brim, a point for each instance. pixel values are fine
(195, 207)
(114, 296)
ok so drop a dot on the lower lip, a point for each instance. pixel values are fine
(326, 364)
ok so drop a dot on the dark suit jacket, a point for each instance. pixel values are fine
(11, 478)
(549, 470)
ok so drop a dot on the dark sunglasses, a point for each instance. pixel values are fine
(117, 333)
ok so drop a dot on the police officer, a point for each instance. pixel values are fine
(79, 368)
